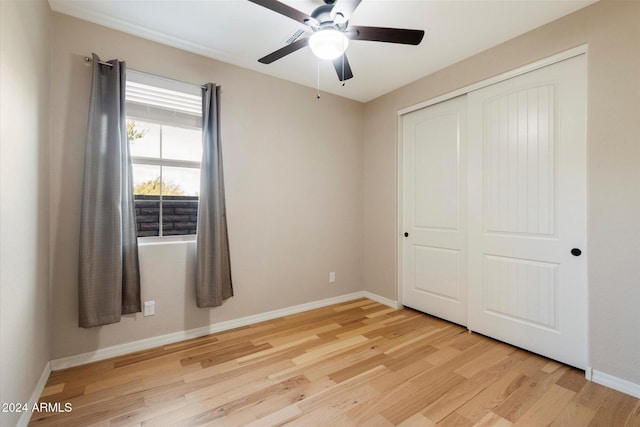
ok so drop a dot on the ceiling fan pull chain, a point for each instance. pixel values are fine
(318, 62)
(343, 56)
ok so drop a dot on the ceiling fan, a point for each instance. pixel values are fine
(331, 32)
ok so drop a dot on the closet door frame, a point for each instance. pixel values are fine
(577, 51)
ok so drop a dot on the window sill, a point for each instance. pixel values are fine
(162, 240)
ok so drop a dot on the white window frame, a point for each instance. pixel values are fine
(163, 101)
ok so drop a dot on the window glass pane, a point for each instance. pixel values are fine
(180, 200)
(180, 181)
(144, 138)
(181, 144)
(146, 180)
(146, 189)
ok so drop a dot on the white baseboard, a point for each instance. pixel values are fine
(623, 386)
(121, 349)
(35, 396)
(382, 300)
(588, 373)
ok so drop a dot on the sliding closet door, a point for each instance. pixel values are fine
(434, 210)
(527, 211)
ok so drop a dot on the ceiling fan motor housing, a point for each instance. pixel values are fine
(321, 18)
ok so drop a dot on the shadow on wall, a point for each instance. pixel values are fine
(194, 317)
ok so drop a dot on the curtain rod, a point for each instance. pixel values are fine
(88, 60)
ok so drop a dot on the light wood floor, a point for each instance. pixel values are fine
(354, 364)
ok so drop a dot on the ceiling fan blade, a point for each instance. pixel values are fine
(388, 35)
(283, 9)
(290, 48)
(344, 8)
(342, 68)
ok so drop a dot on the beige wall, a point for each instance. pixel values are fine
(24, 203)
(293, 174)
(612, 30)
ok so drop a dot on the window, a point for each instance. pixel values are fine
(165, 135)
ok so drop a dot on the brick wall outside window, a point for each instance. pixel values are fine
(179, 215)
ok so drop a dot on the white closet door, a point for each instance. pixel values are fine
(434, 210)
(527, 211)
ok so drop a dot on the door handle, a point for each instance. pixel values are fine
(406, 234)
(576, 252)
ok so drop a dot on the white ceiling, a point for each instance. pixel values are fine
(240, 32)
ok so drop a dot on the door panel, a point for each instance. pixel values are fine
(436, 171)
(434, 210)
(519, 162)
(521, 290)
(527, 210)
(437, 271)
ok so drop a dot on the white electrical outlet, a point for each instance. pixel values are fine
(332, 277)
(149, 308)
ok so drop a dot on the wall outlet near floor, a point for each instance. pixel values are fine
(149, 308)
(332, 277)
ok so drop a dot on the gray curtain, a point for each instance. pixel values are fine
(213, 266)
(109, 275)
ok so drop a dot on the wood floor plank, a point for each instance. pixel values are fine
(478, 364)
(634, 416)
(547, 407)
(454, 399)
(455, 420)
(114, 380)
(289, 336)
(79, 399)
(339, 346)
(357, 363)
(330, 365)
(53, 389)
(380, 312)
(276, 349)
(424, 397)
(402, 374)
(417, 420)
(574, 415)
(140, 415)
(616, 410)
(593, 395)
(527, 395)
(476, 408)
(385, 400)
(333, 407)
(531, 365)
(290, 398)
(573, 380)
(278, 417)
(345, 388)
(492, 420)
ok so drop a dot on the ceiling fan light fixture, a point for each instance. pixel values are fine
(328, 43)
